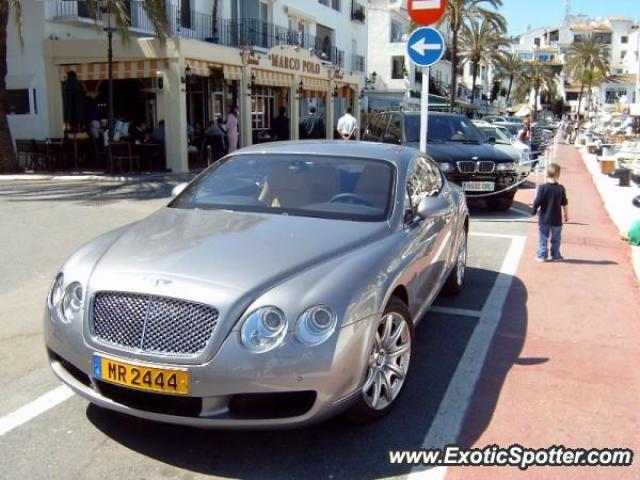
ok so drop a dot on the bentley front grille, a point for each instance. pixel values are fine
(152, 324)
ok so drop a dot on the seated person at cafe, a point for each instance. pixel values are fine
(215, 136)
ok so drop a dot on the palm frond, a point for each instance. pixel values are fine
(16, 11)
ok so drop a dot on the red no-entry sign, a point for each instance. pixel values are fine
(426, 12)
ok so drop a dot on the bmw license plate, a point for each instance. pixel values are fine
(478, 186)
(141, 377)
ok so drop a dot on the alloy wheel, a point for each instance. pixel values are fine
(462, 259)
(388, 361)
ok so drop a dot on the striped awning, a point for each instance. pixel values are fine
(273, 79)
(201, 68)
(315, 84)
(121, 70)
(231, 72)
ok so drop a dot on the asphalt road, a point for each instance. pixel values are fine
(41, 223)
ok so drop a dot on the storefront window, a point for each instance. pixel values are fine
(262, 111)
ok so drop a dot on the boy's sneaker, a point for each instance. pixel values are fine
(557, 259)
(541, 259)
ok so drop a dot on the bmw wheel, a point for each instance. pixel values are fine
(455, 281)
(388, 364)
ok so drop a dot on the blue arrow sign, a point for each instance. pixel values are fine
(425, 46)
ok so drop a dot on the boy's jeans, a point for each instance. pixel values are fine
(555, 233)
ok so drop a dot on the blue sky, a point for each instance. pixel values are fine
(538, 13)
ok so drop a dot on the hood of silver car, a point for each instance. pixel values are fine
(245, 252)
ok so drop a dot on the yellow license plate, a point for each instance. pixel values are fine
(153, 379)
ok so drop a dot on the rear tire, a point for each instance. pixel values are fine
(455, 280)
(388, 364)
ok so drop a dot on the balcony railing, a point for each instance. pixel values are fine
(201, 26)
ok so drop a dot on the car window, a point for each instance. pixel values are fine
(495, 133)
(443, 128)
(377, 126)
(395, 126)
(312, 186)
(424, 179)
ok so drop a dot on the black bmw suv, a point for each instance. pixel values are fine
(469, 159)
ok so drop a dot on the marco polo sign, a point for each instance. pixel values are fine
(295, 60)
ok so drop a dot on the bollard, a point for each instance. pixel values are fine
(209, 155)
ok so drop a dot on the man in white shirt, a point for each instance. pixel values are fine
(347, 125)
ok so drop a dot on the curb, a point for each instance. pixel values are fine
(609, 207)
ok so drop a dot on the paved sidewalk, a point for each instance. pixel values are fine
(563, 370)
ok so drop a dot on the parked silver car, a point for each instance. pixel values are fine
(280, 287)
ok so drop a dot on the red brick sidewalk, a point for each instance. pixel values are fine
(564, 368)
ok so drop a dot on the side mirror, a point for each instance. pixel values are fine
(178, 189)
(491, 140)
(390, 138)
(432, 207)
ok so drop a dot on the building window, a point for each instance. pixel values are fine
(397, 67)
(623, 54)
(185, 13)
(624, 39)
(396, 31)
(335, 4)
(18, 102)
(536, 41)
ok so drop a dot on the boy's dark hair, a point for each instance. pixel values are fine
(553, 170)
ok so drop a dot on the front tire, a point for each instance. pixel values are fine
(388, 364)
(455, 280)
(501, 204)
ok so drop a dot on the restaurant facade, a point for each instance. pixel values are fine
(182, 83)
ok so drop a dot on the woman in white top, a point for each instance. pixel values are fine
(232, 129)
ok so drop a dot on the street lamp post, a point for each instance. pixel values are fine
(108, 19)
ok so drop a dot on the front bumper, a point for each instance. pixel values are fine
(290, 386)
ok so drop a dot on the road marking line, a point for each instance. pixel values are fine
(448, 421)
(524, 213)
(497, 235)
(35, 408)
(456, 311)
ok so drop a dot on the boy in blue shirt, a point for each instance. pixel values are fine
(550, 204)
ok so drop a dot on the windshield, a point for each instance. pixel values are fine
(311, 186)
(495, 133)
(443, 128)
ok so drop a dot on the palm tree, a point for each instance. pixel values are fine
(479, 44)
(540, 78)
(590, 78)
(587, 54)
(511, 65)
(460, 12)
(155, 10)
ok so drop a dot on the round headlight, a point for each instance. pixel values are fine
(72, 301)
(55, 295)
(315, 325)
(264, 329)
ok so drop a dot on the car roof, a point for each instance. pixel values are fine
(396, 154)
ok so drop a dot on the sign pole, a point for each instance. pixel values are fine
(424, 109)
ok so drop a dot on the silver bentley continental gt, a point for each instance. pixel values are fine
(278, 288)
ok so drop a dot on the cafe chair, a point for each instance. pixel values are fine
(120, 153)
